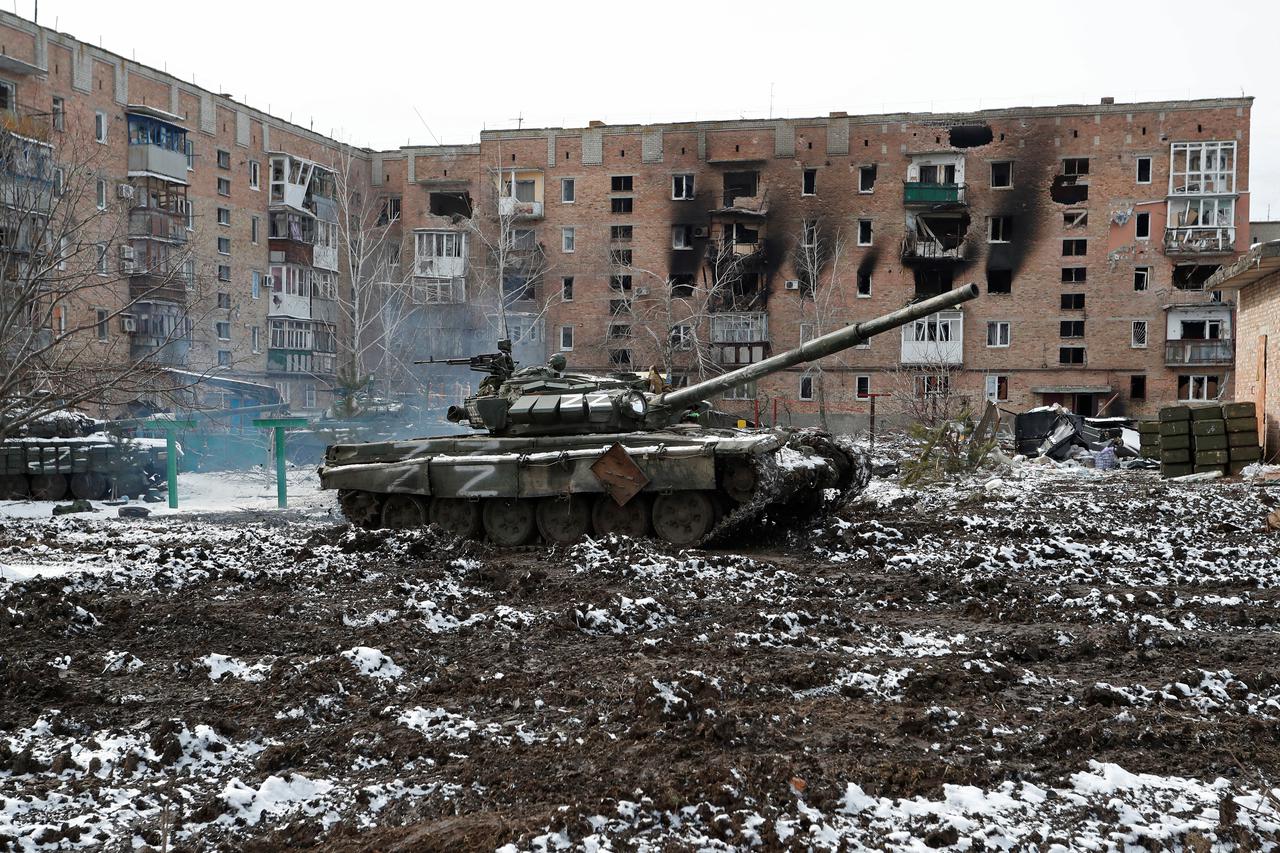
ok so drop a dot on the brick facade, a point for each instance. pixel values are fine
(624, 229)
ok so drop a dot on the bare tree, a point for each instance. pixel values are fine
(97, 284)
(819, 258)
(510, 285)
(376, 307)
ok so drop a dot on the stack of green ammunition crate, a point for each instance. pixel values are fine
(1149, 439)
(1175, 441)
(1242, 435)
(1209, 439)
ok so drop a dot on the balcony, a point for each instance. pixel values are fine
(158, 224)
(934, 340)
(299, 361)
(172, 289)
(513, 207)
(916, 249)
(1196, 353)
(931, 195)
(146, 159)
(1220, 240)
(325, 257)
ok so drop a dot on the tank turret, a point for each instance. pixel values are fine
(568, 455)
(548, 401)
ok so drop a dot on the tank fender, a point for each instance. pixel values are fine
(384, 477)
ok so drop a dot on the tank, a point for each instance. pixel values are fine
(562, 455)
(61, 456)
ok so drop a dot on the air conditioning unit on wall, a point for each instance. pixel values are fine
(792, 284)
(124, 190)
(699, 232)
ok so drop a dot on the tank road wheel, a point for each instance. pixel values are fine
(563, 520)
(456, 516)
(48, 487)
(508, 521)
(400, 512)
(89, 485)
(131, 483)
(739, 481)
(13, 487)
(683, 518)
(632, 519)
(360, 507)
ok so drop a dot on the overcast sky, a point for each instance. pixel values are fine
(384, 74)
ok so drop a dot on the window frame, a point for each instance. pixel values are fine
(1137, 169)
(1005, 186)
(998, 326)
(862, 172)
(858, 380)
(566, 288)
(805, 379)
(1002, 223)
(563, 346)
(223, 156)
(568, 239)
(255, 175)
(568, 191)
(1139, 220)
(867, 223)
(1143, 274)
(684, 182)
(809, 181)
(1133, 334)
(100, 127)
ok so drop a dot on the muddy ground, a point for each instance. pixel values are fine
(1053, 658)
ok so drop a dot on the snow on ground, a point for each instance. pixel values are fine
(1063, 660)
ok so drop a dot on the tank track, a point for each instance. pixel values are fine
(787, 490)
(791, 493)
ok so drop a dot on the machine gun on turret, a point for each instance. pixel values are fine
(499, 365)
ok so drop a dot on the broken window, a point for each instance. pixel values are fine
(809, 234)
(1072, 302)
(1138, 334)
(1202, 167)
(1144, 170)
(1070, 355)
(1071, 329)
(682, 236)
(740, 185)
(1076, 166)
(998, 333)
(682, 284)
(999, 281)
(517, 287)
(1067, 189)
(932, 173)
(1142, 226)
(681, 187)
(866, 179)
(524, 239)
(620, 184)
(740, 328)
(970, 135)
(864, 232)
(932, 385)
(1193, 276)
(931, 282)
(620, 358)
(682, 338)
(620, 306)
(566, 338)
(1201, 330)
(1075, 218)
(746, 391)
(620, 205)
(1138, 386)
(864, 283)
(862, 387)
(620, 282)
(1001, 175)
(1074, 247)
(566, 289)
(806, 387)
(809, 183)
(620, 233)
(568, 190)
(450, 204)
(999, 229)
(620, 257)
(1141, 278)
(997, 388)
(390, 211)
(1073, 275)
(1197, 386)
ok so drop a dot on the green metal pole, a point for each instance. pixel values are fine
(281, 491)
(171, 464)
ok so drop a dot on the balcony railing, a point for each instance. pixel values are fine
(913, 248)
(1189, 353)
(509, 206)
(915, 192)
(159, 224)
(1200, 240)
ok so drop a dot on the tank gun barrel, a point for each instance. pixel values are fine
(819, 347)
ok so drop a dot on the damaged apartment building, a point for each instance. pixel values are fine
(688, 247)
(697, 247)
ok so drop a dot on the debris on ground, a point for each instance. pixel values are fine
(1042, 658)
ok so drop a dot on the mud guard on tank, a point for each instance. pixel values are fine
(621, 477)
(386, 477)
